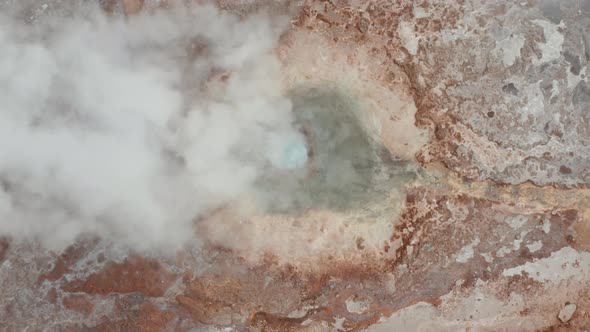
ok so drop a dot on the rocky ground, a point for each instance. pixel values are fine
(487, 103)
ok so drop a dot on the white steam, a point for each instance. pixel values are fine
(132, 128)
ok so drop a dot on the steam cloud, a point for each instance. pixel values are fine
(130, 128)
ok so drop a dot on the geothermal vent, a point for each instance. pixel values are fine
(275, 166)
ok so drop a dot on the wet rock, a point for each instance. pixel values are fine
(510, 88)
(574, 61)
(551, 10)
(586, 40)
(581, 93)
(566, 313)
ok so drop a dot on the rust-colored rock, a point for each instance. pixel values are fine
(147, 318)
(197, 310)
(132, 7)
(268, 322)
(467, 217)
(79, 303)
(4, 246)
(65, 261)
(135, 274)
(52, 296)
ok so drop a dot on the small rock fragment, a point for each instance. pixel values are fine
(132, 7)
(566, 313)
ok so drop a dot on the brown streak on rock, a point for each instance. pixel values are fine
(135, 274)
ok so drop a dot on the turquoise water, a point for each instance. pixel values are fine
(294, 155)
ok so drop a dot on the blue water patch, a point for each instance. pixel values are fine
(294, 155)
